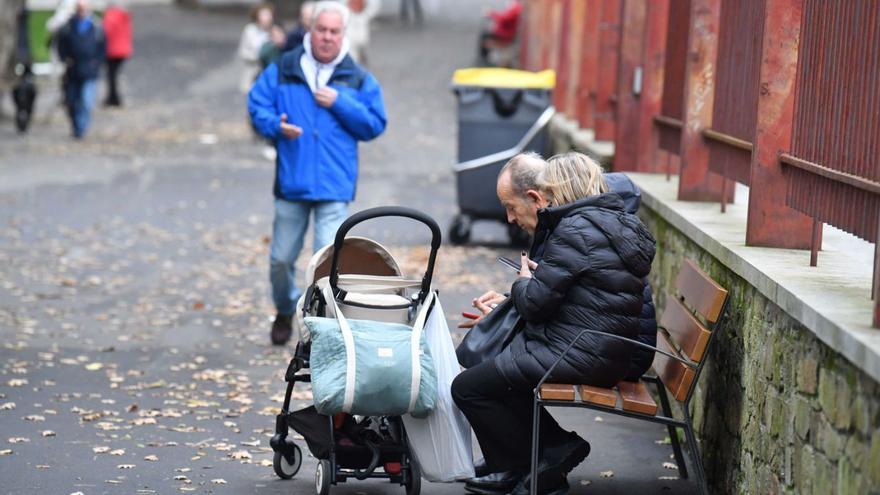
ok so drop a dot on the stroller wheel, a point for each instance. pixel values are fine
(413, 482)
(323, 477)
(460, 230)
(286, 467)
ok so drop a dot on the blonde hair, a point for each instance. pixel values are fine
(569, 177)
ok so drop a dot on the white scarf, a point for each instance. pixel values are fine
(317, 74)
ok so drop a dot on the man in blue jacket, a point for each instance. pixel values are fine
(81, 47)
(316, 103)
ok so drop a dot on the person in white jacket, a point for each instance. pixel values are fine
(362, 13)
(254, 35)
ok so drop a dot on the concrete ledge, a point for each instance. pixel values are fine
(833, 300)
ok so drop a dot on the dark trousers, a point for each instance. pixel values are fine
(501, 417)
(113, 67)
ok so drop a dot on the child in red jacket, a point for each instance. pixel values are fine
(117, 29)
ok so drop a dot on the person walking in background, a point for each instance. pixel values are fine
(117, 29)
(81, 47)
(253, 37)
(296, 35)
(503, 25)
(271, 50)
(316, 104)
(362, 14)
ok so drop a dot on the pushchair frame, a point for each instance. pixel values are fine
(335, 468)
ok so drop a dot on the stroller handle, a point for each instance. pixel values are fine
(387, 211)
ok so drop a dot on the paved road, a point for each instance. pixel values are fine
(133, 296)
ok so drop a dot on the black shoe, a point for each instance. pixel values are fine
(481, 469)
(548, 486)
(558, 461)
(282, 329)
(495, 483)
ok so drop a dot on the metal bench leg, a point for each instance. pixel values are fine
(695, 452)
(536, 426)
(673, 433)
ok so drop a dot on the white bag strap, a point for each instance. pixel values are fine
(348, 339)
(415, 351)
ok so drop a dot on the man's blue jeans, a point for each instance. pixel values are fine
(80, 99)
(288, 234)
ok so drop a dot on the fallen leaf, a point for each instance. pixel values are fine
(19, 440)
(77, 493)
(112, 482)
(255, 443)
(241, 454)
(7, 406)
(125, 466)
(607, 474)
(6, 452)
(586, 482)
(266, 463)
(101, 449)
(94, 366)
(218, 481)
(117, 452)
(47, 433)
(598, 419)
(670, 465)
(17, 382)
(42, 466)
(668, 478)
(151, 457)
(36, 418)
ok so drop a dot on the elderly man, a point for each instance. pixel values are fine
(316, 103)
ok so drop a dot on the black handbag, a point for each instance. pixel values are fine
(490, 335)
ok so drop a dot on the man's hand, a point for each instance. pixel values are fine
(485, 303)
(290, 131)
(326, 96)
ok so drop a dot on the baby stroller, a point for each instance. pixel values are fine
(367, 283)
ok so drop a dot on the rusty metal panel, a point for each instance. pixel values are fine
(771, 223)
(630, 58)
(577, 12)
(672, 105)
(606, 87)
(736, 86)
(589, 64)
(837, 115)
(563, 57)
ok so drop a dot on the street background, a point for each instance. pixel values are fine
(134, 298)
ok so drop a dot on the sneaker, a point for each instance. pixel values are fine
(282, 329)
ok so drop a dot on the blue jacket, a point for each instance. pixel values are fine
(321, 164)
(81, 45)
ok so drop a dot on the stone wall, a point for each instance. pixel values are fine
(776, 410)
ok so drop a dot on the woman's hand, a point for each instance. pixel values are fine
(485, 303)
(527, 265)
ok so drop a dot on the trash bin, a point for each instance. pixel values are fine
(501, 113)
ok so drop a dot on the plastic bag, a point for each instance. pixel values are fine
(441, 443)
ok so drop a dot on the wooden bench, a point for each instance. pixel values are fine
(685, 332)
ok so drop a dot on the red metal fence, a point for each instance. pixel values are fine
(781, 95)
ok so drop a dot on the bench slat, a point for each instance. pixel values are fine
(556, 391)
(675, 375)
(686, 331)
(597, 395)
(634, 397)
(700, 291)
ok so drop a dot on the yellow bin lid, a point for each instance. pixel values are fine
(494, 77)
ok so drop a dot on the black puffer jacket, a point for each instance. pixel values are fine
(594, 257)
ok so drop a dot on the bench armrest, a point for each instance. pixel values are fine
(618, 337)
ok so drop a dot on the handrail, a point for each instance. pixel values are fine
(509, 153)
(668, 121)
(727, 139)
(829, 173)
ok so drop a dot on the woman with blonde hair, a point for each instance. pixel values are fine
(585, 271)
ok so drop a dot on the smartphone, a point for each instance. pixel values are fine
(509, 262)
